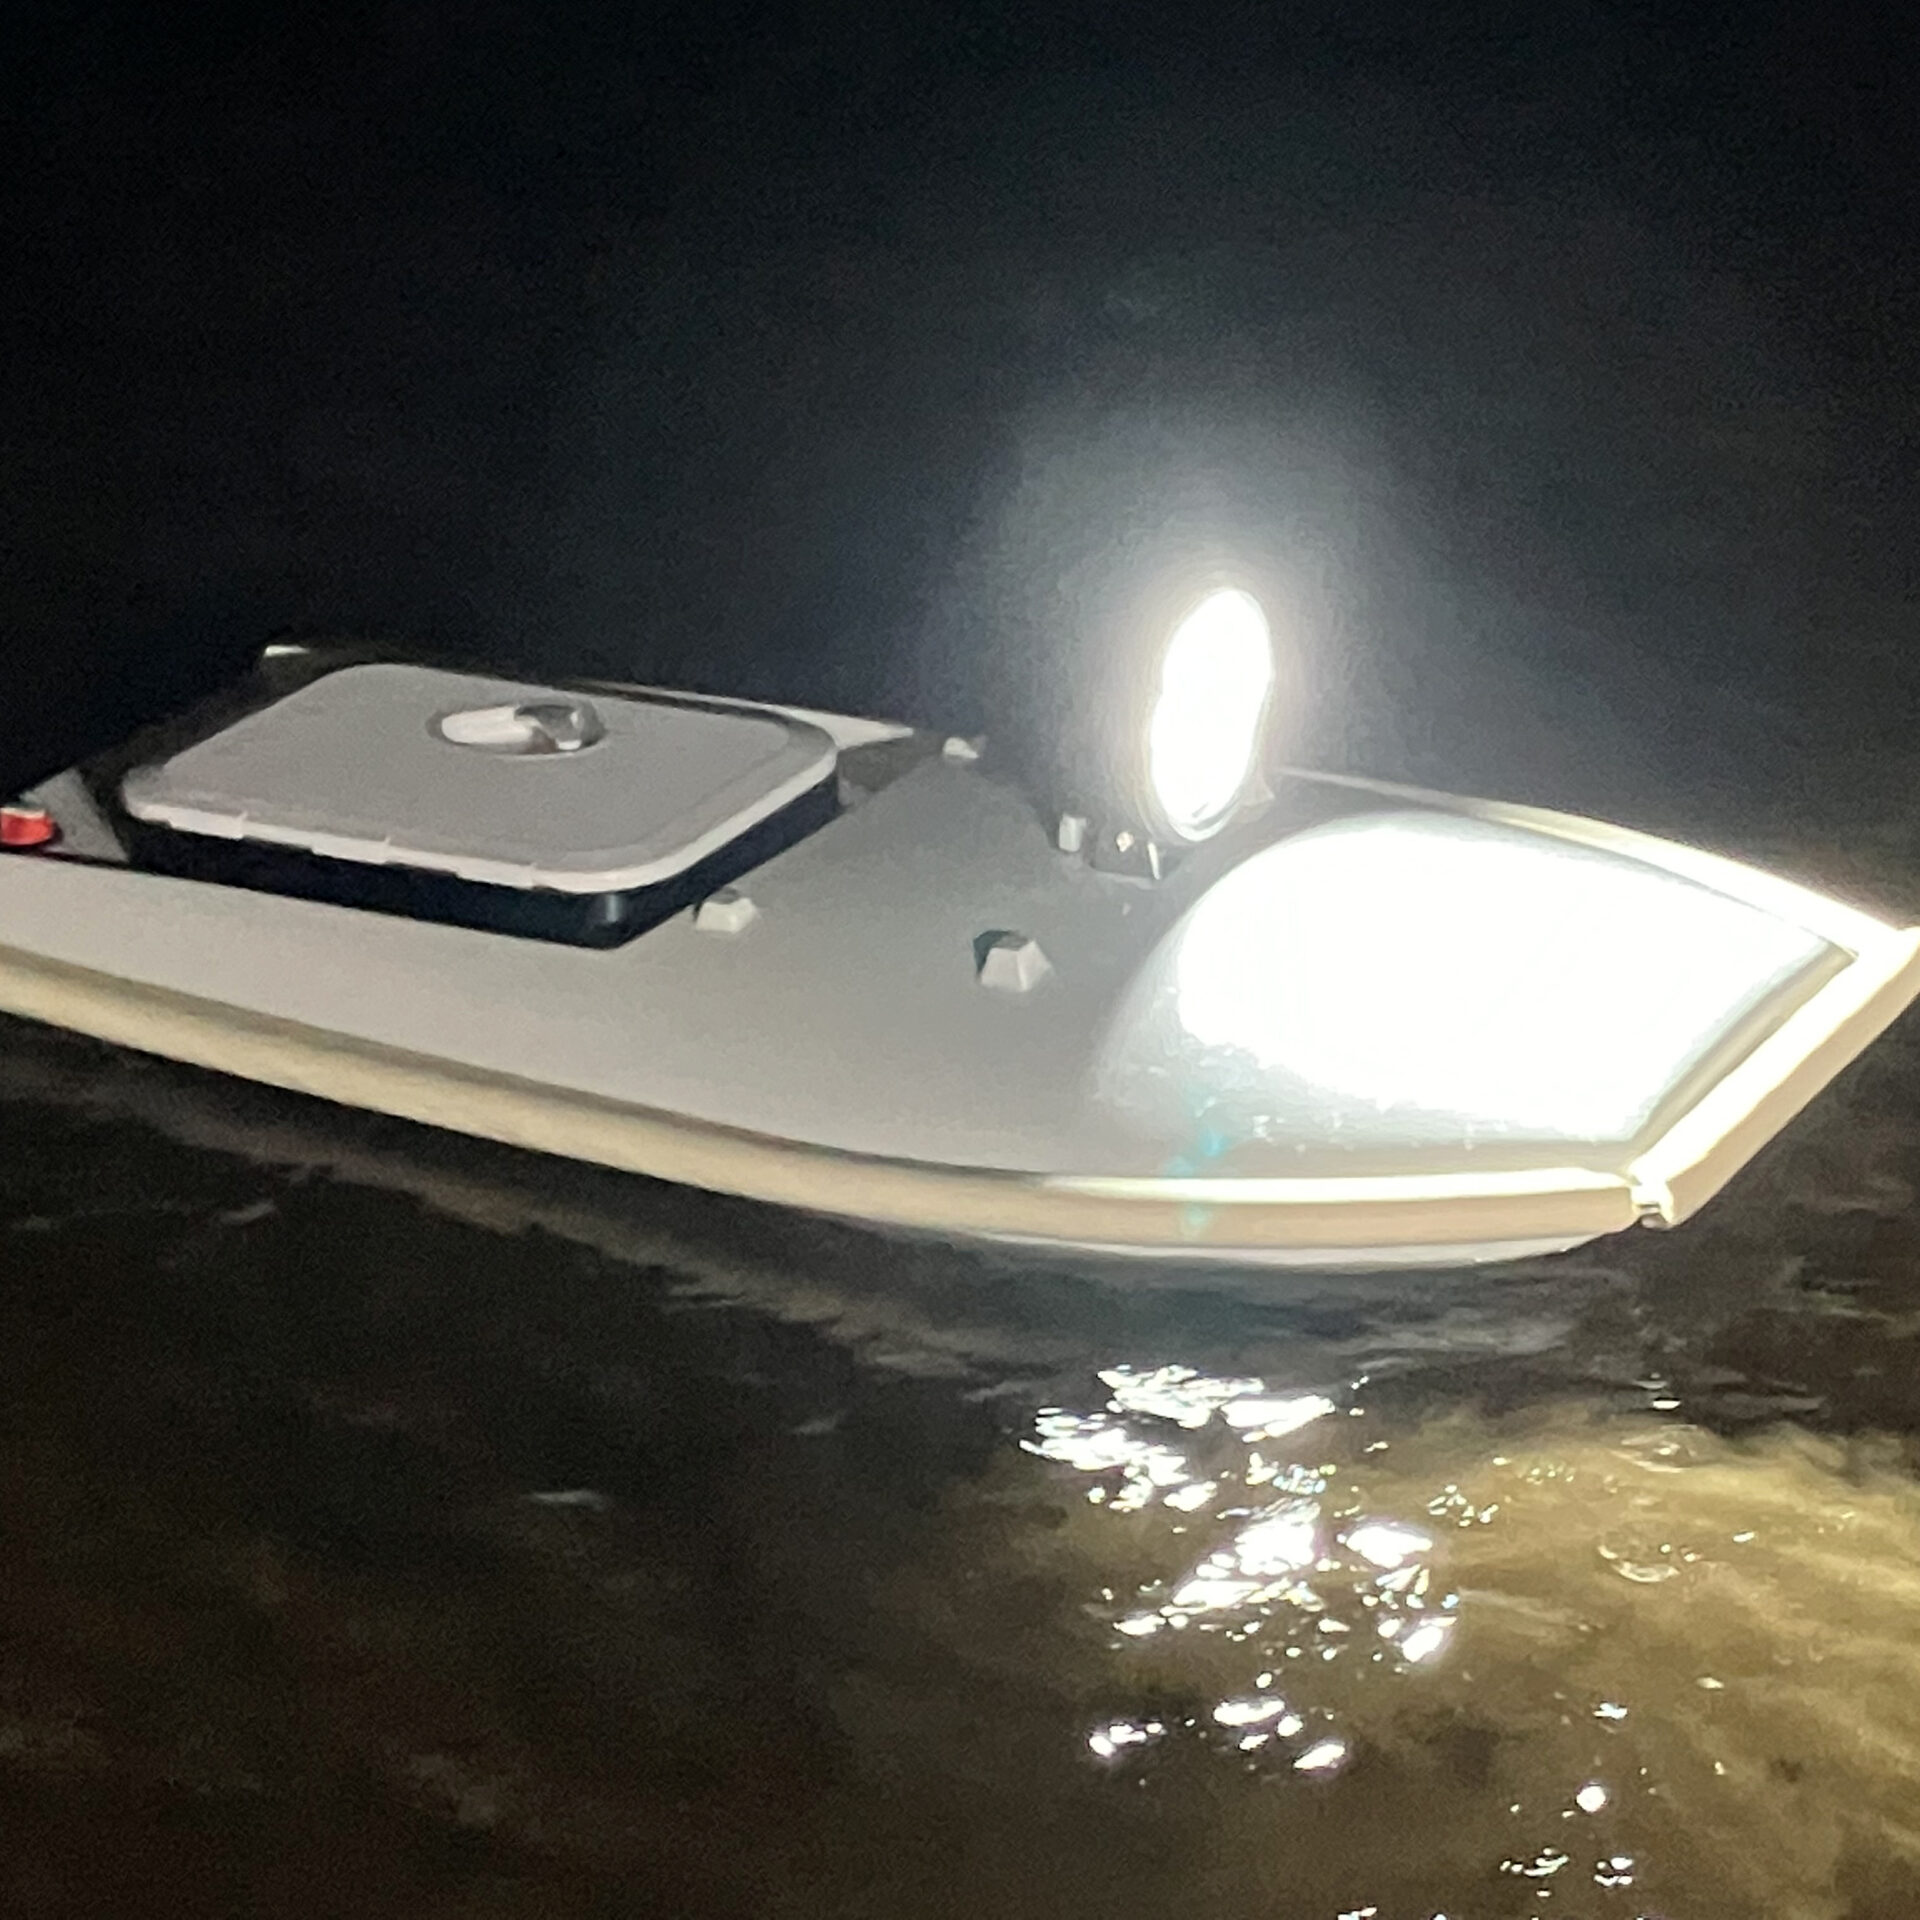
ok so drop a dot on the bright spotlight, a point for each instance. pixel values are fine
(1208, 716)
(1169, 744)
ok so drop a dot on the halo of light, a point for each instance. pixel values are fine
(1203, 735)
(1416, 965)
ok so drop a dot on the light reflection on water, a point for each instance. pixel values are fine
(1282, 1578)
(1011, 1593)
(1571, 1662)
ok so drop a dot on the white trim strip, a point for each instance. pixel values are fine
(1368, 1189)
(1739, 1114)
(1833, 920)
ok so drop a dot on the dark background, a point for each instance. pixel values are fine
(1565, 357)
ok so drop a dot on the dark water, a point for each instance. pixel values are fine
(395, 1525)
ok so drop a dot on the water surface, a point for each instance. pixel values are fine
(394, 1525)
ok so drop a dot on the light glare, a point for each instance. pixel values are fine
(1425, 1640)
(1386, 1544)
(1216, 677)
(1417, 966)
(1271, 1419)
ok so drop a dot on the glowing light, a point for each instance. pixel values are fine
(1110, 1740)
(1609, 1710)
(1616, 1871)
(1192, 1497)
(1543, 1866)
(1425, 1640)
(1249, 1713)
(1101, 1443)
(1282, 1540)
(1094, 1443)
(1180, 1394)
(1423, 965)
(1216, 678)
(1591, 1798)
(1271, 1714)
(1386, 1544)
(1324, 1756)
(1207, 1592)
(1268, 1419)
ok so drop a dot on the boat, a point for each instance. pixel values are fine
(1191, 1005)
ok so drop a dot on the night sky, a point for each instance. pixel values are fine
(1563, 359)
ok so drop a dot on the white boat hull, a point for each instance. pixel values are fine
(840, 1051)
